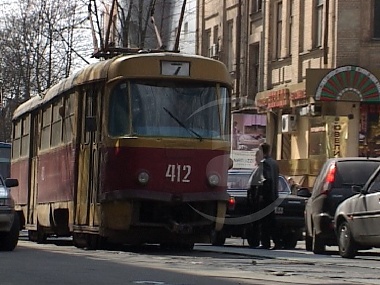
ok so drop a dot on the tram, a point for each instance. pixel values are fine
(129, 150)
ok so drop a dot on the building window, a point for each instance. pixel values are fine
(254, 61)
(186, 31)
(318, 23)
(256, 6)
(301, 27)
(207, 42)
(216, 34)
(290, 27)
(278, 29)
(229, 51)
(376, 19)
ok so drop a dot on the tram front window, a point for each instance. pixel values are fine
(118, 120)
(176, 110)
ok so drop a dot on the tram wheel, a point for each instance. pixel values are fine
(79, 240)
(37, 236)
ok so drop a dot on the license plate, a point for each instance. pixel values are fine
(279, 210)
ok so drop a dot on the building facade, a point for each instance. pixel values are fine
(313, 67)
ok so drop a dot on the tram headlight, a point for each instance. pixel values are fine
(213, 180)
(143, 177)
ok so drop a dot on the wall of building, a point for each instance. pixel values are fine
(346, 29)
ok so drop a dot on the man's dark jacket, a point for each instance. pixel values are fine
(269, 189)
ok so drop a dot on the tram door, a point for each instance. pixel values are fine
(31, 216)
(87, 211)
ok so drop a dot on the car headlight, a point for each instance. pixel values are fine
(213, 180)
(5, 197)
(143, 177)
(4, 193)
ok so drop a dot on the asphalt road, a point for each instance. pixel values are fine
(59, 262)
(304, 266)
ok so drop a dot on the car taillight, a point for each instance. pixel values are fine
(231, 203)
(330, 178)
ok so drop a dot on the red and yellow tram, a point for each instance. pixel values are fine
(133, 149)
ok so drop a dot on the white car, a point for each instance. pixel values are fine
(357, 219)
(9, 220)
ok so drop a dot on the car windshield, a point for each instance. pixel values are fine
(238, 180)
(354, 172)
(283, 186)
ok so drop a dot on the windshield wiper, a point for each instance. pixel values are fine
(183, 125)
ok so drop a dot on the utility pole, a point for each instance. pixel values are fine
(176, 45)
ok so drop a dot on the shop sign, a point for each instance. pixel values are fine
(336, 132)
(274, 99)
(298, 95)
(278, 98)
(299, 98)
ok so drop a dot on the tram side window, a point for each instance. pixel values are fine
(46, 128)
(225, 118)
(56, 127)
(16, 145)
(118, 123)
(25, 136)
(68, 119)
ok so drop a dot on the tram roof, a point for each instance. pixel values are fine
(123, 66)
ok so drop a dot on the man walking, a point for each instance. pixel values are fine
(268, 194)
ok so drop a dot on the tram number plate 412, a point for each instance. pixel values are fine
(279, 210)
(178, 173)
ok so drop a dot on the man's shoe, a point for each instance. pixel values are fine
(262, 247)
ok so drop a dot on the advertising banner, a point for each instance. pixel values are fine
(247, 134)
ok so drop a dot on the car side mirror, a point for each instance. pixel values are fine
(304, 192)
(11, 182)
(356, 189)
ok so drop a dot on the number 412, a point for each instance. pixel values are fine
(178, 173)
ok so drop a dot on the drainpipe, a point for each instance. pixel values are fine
(326, 35)
(238, 54)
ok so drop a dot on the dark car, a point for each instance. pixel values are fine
(332, 186)
(289, 214)
(238, 206)
(357, 219)
(9, 221)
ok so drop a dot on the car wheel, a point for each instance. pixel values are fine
(9, 240)
(217, 238)
(308, 243)
(290, 240)
(346, 243)
(319, 246)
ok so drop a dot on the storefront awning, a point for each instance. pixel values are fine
(346, 83)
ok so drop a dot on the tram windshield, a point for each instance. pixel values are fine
(169, 110)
